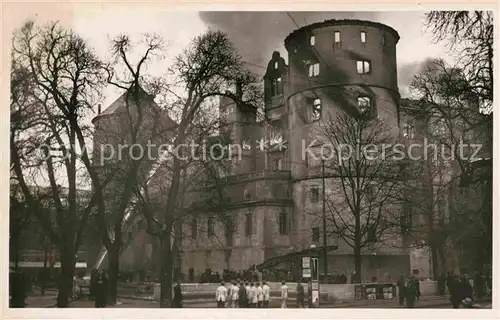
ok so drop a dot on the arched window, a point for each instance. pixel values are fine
(276, 87)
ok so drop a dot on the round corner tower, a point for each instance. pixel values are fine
(335, 66)
(339, 66)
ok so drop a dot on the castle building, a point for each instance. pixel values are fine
(334, 67)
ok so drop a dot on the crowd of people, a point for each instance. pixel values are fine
(460, 290)
(210, 276)
(247, 294)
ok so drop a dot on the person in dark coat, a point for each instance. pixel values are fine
(479, 285)
(242, 295)
(449, 282)
(177, 300)
(17, 290)
(466, 289)
(411, 292)
(401, 290)
(94, 275)
(416, 283)
(101, 290)
(455, 292)
(300, 295)
(441, 282)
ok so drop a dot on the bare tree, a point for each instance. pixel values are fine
(452, 106)
(470, 35)
(208, 69)
(362, 204)
(122, 144)
(61, 82)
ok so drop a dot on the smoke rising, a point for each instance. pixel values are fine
(257, 34)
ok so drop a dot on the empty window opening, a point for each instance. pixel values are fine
(363, 67)
(194, 228)
(363, 36)
(313, 70)
(337, 36)
(276, 87)
(283, 223)
(210, 227)
(248, 224)
(312, 40)
(315, 234)
(364, 104)
(316, 110)
(314, 194)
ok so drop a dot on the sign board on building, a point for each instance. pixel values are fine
(306, 273)
(306, 262)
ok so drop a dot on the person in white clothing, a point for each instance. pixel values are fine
(255, 295)
(260, 296)
(234, 295)
(221, 295)
(266, 291)
(248, 287)
(284, 294)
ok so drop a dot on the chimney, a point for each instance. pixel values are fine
(99, 108)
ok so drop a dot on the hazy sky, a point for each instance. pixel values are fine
(255, 34)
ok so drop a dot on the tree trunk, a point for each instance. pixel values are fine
(166, 271)
(357, 247)
(16, 246)
(113, 271)
(44, 272)
(66, 278)
(357, 264)
(435, 260)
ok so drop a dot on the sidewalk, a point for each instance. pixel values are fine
(49, 301)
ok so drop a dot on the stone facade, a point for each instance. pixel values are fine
(333, 63)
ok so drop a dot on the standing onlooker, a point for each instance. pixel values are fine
(177, 300)
(94, 275)
(441, 285)
(255, 295)
(260, 296)
(248, 288)
(221, 295)
(479, 285)
(101, 290)
(455, 292)
(17, 290)
(243, 302)
(410, 293)
(416, 284)
(300, 295)
(267, 294)
(466, 289)
(401, 290)
(234, 295)
(284, 294)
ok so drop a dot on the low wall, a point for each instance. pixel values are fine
(333, 292)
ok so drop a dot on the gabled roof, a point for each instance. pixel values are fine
(120, 103)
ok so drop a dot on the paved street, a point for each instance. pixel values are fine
(425, 302)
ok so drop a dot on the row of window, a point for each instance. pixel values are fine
(362, 67)
(364, 105)
(362, 37)
(282, 222)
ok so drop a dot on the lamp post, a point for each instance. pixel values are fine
(325, 250)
